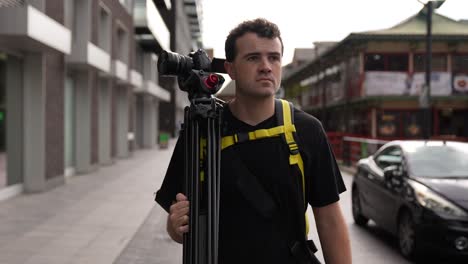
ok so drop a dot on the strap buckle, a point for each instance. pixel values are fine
(241, 137)
(293, 148)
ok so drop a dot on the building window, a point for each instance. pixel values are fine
(386, 62)
(413, 122)
(11, 3)
(400, 124)
(439, 62)
(68, 14)
(126, 4)
(122, 45)
(460, 63)
(388, 124)
(104, 29)
(374, 62)
(453, 122)
(138, 59)
(3, 105)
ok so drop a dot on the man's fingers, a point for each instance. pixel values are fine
(179, 206)
(184, 220)
(180, 224)
(181, 197)
(179, 214)
(179, 220)
(183, 229)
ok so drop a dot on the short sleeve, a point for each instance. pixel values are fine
(173, 180)
(324, 181)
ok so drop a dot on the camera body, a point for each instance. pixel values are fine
(194, 72)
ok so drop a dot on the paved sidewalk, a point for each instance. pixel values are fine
(90, 219)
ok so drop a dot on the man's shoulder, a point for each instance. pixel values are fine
(303, 120)
(309, 130)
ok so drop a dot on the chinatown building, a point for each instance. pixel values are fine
(371, 84)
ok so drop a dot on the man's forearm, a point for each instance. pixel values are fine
(333, 235)
(336, 245)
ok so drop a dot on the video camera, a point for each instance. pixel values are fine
(196, 73)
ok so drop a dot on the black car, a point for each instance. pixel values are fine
(418, 191)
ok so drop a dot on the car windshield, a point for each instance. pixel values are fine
(444, 160)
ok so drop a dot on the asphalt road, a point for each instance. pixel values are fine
(369, 244)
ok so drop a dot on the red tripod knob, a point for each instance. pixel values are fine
(211, 81)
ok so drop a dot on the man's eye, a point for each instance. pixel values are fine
(252, 58)
(275, 58)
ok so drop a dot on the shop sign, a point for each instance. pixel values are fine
(387, 124)
(385, 83)
(440, 83)
(400, 83)
(460, 83)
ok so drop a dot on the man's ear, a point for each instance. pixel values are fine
(230, 69)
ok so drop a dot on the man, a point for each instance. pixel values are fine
(264, 232)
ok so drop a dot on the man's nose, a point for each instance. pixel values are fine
(265, 65)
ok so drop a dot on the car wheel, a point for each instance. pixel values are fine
(359, 218)
(407, 236)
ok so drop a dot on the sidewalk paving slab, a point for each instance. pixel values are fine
(90, 219)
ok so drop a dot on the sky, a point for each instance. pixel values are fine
(303, 22)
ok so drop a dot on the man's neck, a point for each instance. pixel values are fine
(252, 110)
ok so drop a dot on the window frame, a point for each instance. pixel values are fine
(386, 64)
(445, 55)
(454, 70)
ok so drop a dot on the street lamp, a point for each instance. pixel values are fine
(425, 96)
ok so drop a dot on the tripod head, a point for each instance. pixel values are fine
(195, 73)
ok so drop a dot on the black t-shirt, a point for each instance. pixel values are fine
(261, 194)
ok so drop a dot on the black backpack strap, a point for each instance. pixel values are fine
(279, 112)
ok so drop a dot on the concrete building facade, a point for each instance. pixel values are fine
(79, 87)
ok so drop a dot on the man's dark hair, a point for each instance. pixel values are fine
(260, 26)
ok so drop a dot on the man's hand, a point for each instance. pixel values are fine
(177, 221)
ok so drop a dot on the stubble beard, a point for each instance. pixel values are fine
(257, 92)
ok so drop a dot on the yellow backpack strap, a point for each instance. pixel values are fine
(228, 141)
(285, 112)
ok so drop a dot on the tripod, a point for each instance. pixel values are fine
(202, 143)
(202, 133)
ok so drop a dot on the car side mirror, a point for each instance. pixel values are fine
(392, 176)
(391, 171)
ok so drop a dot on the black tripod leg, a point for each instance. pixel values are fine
(195, 203)
(187, 245)
(215, 186)
(213, 183)
(192, 178)
(209, 174)
(212, 169)
(217, 178)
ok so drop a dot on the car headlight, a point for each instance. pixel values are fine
(435, 202)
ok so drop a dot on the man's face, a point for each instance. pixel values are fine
(257, 66)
